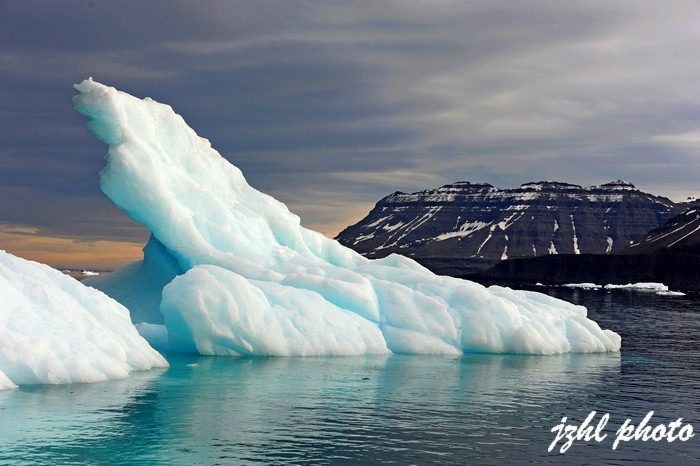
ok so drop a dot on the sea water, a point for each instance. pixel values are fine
(477, 408)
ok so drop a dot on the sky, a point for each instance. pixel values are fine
(330, 106)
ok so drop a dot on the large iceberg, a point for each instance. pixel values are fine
(55, 330)
(229, 270)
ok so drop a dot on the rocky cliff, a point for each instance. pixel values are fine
(669, 254)
(464, 227)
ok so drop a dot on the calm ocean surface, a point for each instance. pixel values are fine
(493, 409)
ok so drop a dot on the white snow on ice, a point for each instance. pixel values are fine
(251, 280)
(55, 330)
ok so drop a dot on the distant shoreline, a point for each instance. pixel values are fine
(81, 274)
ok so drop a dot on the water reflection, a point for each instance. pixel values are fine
(64, 423)
(295, 409)
(474, 408)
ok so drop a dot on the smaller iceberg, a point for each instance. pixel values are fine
(55, 330)
(670, 293)
(643, 286)
(646, 287)
(582, 286)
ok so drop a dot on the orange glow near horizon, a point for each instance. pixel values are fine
(66, 253)
(69, 253)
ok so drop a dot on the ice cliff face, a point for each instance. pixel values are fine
(463, 227)
(55, 330)
(243, 277)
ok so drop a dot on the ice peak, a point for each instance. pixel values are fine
(256, 282)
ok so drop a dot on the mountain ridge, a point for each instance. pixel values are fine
(669, 254)
(464, 227)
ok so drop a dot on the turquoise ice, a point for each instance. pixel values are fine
(54, 330)
(229, 270)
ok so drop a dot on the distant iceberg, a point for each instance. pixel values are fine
(650, 287)
(229, 270)
(55, 330)
(642, 286)
(670, 293)
(583, 286)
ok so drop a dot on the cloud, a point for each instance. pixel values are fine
(689, 138)
(67, 216)
(390, 178)
(61, 253)
(330, 106)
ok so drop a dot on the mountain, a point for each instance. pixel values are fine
(465, 227)
(669, 254)
(681, 232)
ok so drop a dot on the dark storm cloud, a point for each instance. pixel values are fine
(331, 105)
(86, 218)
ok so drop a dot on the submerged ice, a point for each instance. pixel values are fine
(55, 330)
(229, 270)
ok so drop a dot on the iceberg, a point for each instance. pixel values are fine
(230, 271)
(670, 293)
(646, 287)
(582, 286)
(642, 286)
(55, 330)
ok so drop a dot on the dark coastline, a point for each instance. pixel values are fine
(677, 268)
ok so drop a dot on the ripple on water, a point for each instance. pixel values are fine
(393, 409)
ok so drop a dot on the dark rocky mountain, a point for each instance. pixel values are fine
(681, 232)
(669, 254)
(464, 227)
